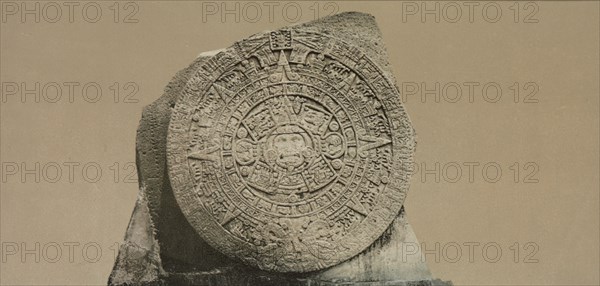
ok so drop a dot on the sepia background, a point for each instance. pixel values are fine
(504, 98)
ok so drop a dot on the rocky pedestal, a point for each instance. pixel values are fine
(282, 160)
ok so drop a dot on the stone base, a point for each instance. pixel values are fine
(140, 262)
(162, 248)
(229, 277)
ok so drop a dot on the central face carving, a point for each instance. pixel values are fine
(284, 148)
(289, 147)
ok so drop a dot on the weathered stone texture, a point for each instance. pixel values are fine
(171, 240)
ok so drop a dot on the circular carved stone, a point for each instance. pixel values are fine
(290, 151)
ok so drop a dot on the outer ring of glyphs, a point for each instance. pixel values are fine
(302, 202)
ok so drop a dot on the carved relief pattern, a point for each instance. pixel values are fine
(288, 151)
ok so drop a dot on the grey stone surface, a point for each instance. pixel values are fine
(162, 247)
(290, 150)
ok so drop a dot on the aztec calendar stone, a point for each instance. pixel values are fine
(290, 151)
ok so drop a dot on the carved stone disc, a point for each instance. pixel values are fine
(290, 151)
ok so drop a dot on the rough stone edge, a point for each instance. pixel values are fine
(138, 260)
(141, 249)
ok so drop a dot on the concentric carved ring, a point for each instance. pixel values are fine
(290, 151)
